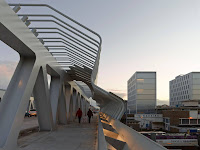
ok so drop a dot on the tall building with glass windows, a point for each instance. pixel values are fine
(142, 92)
(184, 87)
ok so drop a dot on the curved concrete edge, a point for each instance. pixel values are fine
(134, 139)
(101, 142)
(109, 102)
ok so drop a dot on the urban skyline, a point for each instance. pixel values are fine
(72, 64)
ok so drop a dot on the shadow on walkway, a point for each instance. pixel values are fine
(73, 136)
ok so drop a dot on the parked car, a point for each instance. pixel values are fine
(27, 114)
(33, 112)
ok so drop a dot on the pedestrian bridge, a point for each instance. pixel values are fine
(51, 43)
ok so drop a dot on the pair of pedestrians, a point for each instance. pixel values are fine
(79, 114)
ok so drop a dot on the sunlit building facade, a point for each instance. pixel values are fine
(142, 92)
(183, 88)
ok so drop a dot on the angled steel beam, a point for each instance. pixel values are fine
(64, 48)
(80, 75)
(60, 41)
(45, 5)
(71, 38)
(43, 15)
(76, 71)
(76, 68)
(71, 52)
(69, 44)
(74, 56)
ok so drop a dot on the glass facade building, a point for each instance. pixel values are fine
(184, 87)
(142, 92)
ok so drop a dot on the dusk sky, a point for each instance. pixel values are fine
(138, 35)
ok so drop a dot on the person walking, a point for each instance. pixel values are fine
(89, 114)
(79, 114)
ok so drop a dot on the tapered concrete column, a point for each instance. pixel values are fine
(54, 96)
(42, 102)
(68, 99)
(87, 106)
(71, 109)
(82, 105)
(62, 112)
(15, 101)
(75, 108)
(79, 101)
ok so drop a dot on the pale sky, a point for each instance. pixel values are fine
(138, 35)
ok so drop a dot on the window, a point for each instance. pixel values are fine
(185, 121)
(193, 121)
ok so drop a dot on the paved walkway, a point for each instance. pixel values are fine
(73, 136)
(29, 122)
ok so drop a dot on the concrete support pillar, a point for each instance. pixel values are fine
(15, 101)
(71, 109)
(82, 105)
(42, 102)
(54, 96)
(62, 112)
(85, 107)
(68, 99)
(79, 101)
(75, 107)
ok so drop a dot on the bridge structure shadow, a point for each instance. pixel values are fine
(73, 136)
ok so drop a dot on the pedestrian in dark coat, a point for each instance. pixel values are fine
(89, 114)
(79, 114)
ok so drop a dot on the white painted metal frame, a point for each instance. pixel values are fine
(36, 61)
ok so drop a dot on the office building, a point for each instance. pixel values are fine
(142, 92)
(184, 87)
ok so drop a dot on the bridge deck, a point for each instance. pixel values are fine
(73, 136)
